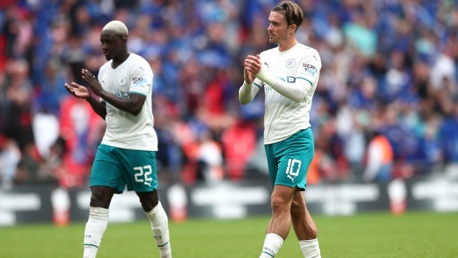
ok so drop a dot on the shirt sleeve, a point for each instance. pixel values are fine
(247, 92)
(309, 68)
(141, 80)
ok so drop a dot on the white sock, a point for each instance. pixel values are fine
(95, 228)
(160, 227)
(310, 248)
(272, 244)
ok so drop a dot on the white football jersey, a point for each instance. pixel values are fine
(124, 130)
(299, 65)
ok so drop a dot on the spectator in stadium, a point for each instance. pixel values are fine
(289, 74)
(405, 58)
(379, 159)
(10, 155)
(18, 107)
(127, 153)
(449, 134)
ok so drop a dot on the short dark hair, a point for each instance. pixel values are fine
(293, 12)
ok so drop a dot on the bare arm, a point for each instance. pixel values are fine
(98, 107)
(82, 92)
(132, 105)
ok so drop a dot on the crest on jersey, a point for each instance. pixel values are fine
(290, 63)
(123, 81)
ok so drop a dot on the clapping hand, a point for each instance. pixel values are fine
(77, 90)
(252, 67)
(92, 81)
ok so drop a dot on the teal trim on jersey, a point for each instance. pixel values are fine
(305, 80)
(289, 160)
(120, 168)
(134, 92)
(256, 85)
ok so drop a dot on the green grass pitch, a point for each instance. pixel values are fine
(423, 235)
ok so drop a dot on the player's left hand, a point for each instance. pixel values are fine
(92, 81)
(253, 64)
(248, 76)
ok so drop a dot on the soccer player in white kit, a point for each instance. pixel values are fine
(126, 156)
(289, 74)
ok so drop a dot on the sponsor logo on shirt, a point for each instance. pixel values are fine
(288, 79)
(122, 94)
(138, 82)
(310, 69)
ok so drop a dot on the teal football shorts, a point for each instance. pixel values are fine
(120, 168)
(288, 161)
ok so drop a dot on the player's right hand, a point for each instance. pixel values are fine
(77, 90)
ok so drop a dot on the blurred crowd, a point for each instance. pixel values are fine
(386, 105)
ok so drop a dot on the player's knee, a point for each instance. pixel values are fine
(148, 201)
(147, 205)
(100, 198)
(279, 204)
